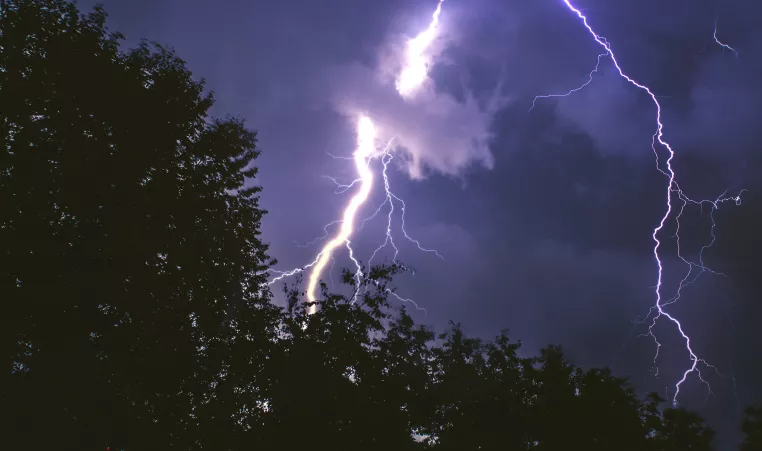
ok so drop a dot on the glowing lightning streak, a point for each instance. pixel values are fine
(324, 236)
(340, 187)
(415, 69)
(671, 187)
(720, 43)
(715, 205)
(412, 76)
(366, 135)
(687, 280)
(572, 91)
(390, 198)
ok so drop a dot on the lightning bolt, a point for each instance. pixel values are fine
(572, 91)
(720, 43)
(325, 229)
(413, 74)
(390, 199)
(366, 136)
(673, 195)
(416, 66)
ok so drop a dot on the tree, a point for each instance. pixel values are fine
(583, 409)
(752, 428)
(683, 430)
(131, 265)
(351, 375)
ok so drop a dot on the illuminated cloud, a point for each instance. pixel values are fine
(417, 58)
(434, 130)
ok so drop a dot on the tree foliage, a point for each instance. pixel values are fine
(130, 235)
(135, 311)
(752, 428)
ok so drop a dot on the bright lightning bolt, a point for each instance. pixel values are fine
(720, 43)
(340, 187)
(572, 91)
(366, 137)
(391, 198)
(416, 67)
(322, 237)
(411, 77)
(672, 189)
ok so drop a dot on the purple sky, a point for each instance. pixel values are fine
(545, 222)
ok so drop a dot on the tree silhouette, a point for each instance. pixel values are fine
(351, 375)
(752, 428)
(130, 242)
(683, 430)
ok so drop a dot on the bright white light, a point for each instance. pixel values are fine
(416, 66)
(366, 137)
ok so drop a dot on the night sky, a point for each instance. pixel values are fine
(543, 217)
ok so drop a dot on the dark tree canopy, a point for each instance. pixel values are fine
(131, 251)
(752, 428)
(135, 313)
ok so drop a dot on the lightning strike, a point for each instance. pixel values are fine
(390, 199)
(413, 74)
(389, 238)
(284, 274)
(408, 301)
(572, 91)
(322, 237)
(672, 190)
(720, 43)
(366, 136)
(416, 65)
(340, 187)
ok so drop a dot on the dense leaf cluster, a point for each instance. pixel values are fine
(135, 313)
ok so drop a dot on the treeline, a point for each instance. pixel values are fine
(135, 313)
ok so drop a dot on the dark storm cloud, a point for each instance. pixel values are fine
(614, 114)
(726, 101)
